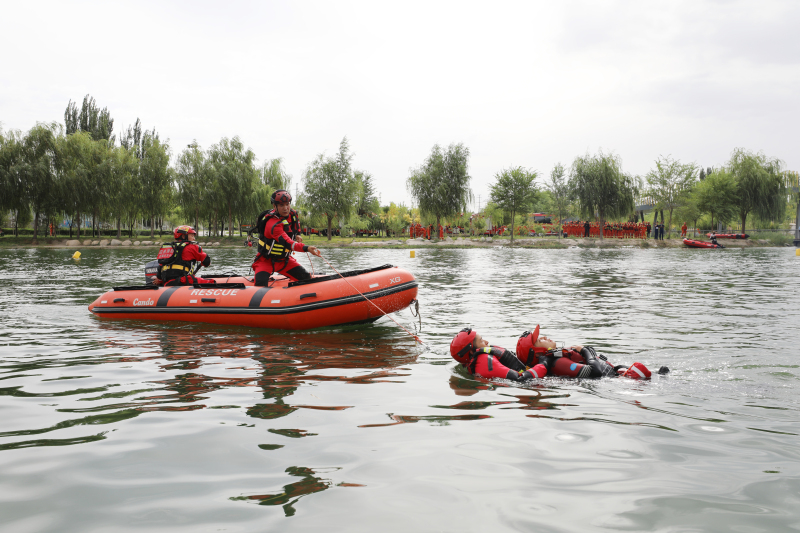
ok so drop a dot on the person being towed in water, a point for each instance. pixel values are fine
(536, 357)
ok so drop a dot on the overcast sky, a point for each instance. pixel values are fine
(519, 83)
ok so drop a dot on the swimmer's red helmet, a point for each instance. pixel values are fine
(637, 371)
(461, 344)
(525, 350)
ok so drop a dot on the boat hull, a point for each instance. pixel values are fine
(700, 244)
(321, 302)
(729, 235)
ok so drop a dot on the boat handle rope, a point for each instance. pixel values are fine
(374, 304)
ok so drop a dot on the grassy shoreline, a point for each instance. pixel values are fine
(771, 240)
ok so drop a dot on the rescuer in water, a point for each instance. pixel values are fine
(279, 236)
(177, 260)
(536, 357)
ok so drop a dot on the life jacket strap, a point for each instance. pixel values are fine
(177, 267)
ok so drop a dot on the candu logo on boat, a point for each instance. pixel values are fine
(137, 302)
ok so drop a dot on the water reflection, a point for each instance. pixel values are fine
(103, 419)
(309, 484)
(275, 364)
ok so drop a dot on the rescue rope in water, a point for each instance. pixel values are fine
(373, 303)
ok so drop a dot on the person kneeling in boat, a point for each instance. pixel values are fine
(713, 238)
(279, 236)
(177, 260)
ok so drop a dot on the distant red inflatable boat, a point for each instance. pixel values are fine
(701, 244)
(729, 235)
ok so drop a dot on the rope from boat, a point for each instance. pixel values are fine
(373, 303)
(311, 263)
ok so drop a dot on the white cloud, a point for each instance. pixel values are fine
(520, 83)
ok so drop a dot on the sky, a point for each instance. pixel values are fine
(526, 83)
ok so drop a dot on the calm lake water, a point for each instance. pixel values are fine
(130, 426)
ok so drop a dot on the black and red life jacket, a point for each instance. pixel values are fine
(171, 264)
(269, 247)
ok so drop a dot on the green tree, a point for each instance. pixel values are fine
(494, 214)
(330, 186)
(12, 185)
(513, 191)
(37, 169)
(100, 181)
(234, 173)
(367, 203)
(73, 166)
(559, 190)
(122, 189)
(760, 186)
(274, 176)
(689, 208)
(441, 185)
(716, 195)
(192, 180)
(155, 181)
(667, 183)
(601, 188)
(90, 119)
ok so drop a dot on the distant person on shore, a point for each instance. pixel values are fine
(177, 261)
(536, 357)
(279, 236)
(683, 230)
(587, 228)
(649, 228)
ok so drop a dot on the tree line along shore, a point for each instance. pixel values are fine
(768, 239)
(79, 179)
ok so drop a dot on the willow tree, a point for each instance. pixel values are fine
(441, 185)
(74, 167)
(234, 171)
(668, 182)
(559, 190)
(192, 181)
(37, 169)
(12, 186)
(330, 187)
(155, 181)
(716, 195)
(513, 191)
(274, 176)
(760, 185)
(122, 189)
(601, 188)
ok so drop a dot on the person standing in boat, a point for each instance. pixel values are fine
(177, 260)
(279, 236)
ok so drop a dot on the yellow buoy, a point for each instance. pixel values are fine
(76, 255)
(412, 254)
(796, 252)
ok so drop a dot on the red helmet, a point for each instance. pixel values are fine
(461, 344)
(526, 352)
(281, 197)
(182, 233)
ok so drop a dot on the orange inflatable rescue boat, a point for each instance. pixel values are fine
(284, 304)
